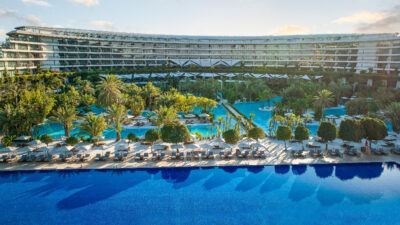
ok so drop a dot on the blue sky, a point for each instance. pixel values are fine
(206, 17)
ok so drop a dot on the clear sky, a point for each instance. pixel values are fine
(206, 17)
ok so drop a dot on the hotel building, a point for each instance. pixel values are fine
(74, 49)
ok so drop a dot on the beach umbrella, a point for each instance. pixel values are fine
(190, 116)
(159, 147)
(98, 137)
(122, 147)
(26, 149)
(140, 118)
(257, 145)
(7, 149)
(43, 149)
(192, 146)
(34, 142)
(128, 116)
(243, 145)
(206, 146)
(177, 146)
(204, 115)
(78, 148)
(23, 138)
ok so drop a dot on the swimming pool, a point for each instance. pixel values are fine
(313, 194)
(262, 118)
(56, 130)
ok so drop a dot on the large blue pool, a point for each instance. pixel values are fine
(315, 194)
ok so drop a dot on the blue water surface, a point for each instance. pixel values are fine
(313, 194)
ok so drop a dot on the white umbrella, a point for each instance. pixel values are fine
(192, 146)
(26, 149)
(159, 147)
(43, 149)
(128, 116)
(140, 118)
(206, 146)
(177, 146)
(257, 145)
(7, 149)
(34, 142)
(122, 147)
(78, 148)
(190, 116)
(23, 138)
(98, 137)
(204, 115)
(243, 145)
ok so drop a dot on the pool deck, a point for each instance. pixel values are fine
(275, 155)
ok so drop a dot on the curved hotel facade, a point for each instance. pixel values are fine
(74, 49)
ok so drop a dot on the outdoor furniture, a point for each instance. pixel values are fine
(254, 154)
(181, 155)
(173, 155)
(229, 155)
(12, 158)
(222, 155)
(204, 155)
(48, 158)
(31, 158)
(86, 157)
(124, 156)
(196, 155)
(162, 156)
(247, 154)
(154, 156)
(117, 157)
(262, 155)
(145, 156)
(61, 157)
(68, 158)
(239, 154)
(138, 157)
(40, 158)
(211, 155)
(97, 157)
(188, 156)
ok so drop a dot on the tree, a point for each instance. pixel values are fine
(110, 91)
(117, 115)
(151, 136)
(175, 133)
(256, 133)
(231, 136)
(148, 93)
(47, 139)
(164, 115)
(284, 133)
(358, 106)
(87, 100)
(351, 130)
(7, 141)
(393, 113)
(267, 95)
(66, 115)
(374, 129)
(323, 100)
(132, 137)
(137, 106)
(93, 125)
(72, 140)
(327, 131)
(301, 133)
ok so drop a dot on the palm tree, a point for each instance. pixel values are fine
(393, 112)
(149, 92)
(267, 95)
(220, 119)
(66, 115)
(163, 116)
(110, 90)
(324, 99)
(93, 125)
(117, 115)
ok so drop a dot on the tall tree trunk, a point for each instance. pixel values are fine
(118, 136)
(66, 131)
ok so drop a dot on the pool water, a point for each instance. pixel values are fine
(313, 194)
(262, 118)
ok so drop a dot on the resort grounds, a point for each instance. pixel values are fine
(203, 153)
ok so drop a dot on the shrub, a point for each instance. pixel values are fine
(301, 133)
(284, 133)
(72, 140)
(351, 130)
(47, 139)
(175, 133)
(132, 137)
(256, 133)
(358, 106)
(374, 129)
(152, 135)
(231, 136)
(7, 141)
(327, 131)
